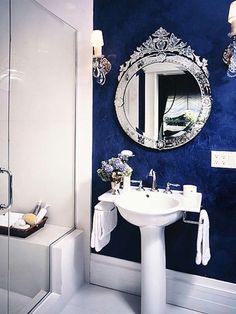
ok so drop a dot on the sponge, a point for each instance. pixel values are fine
(30, 219)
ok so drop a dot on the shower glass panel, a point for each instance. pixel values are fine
(4, 106)
(37, 144)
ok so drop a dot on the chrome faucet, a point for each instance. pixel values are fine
(152, 174)
(168, 187)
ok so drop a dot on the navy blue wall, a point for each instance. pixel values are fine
(203, 24)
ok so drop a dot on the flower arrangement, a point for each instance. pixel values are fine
(115, 168)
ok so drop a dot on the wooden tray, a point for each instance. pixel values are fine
(21, 233)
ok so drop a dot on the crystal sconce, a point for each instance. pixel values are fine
(229, 56)
(101, 66)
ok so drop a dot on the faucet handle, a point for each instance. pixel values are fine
(138, 183)
(140, 187)
(168, 189)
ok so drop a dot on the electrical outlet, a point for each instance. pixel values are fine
(223, 159)
(219, 159)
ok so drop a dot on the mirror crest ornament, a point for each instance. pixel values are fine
(163, 50)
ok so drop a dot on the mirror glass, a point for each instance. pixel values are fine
(163, 98)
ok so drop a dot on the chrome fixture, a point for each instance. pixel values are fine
(3, 206)
(188, 221)
(138, 183)
(152, 174)
(105, 210)
(140, 187)
(229, 56)
(101, 66)
(168, 187)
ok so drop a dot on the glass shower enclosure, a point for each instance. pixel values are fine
(37, 146)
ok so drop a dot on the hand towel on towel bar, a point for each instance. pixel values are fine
(104, 221)
(203, 247)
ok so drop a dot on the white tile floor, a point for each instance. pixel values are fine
(91, 299)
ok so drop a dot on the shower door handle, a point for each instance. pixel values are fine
(3, 206)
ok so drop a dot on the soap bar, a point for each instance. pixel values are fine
(30, 219)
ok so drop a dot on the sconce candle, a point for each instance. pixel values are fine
(232, 18)
(97, 42)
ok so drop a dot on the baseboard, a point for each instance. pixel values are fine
(197, 293)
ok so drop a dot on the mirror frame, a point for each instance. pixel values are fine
(162, 46)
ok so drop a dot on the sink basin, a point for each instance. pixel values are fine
(143, 208)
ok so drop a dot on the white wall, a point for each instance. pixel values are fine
(42, 111)
(70, 11)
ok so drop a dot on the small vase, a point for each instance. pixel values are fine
(126, 183)
(115, 186)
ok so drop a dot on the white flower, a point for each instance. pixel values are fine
(127, 153)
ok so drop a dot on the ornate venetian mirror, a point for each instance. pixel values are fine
(163, 98)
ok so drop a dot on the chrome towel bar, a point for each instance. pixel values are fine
(105, 210)
(187, 221)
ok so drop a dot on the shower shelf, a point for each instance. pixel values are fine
(20, 233)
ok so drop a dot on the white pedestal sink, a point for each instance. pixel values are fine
(151, 212)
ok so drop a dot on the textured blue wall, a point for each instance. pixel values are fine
(203, 24)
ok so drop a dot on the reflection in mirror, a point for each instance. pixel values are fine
(163, 98)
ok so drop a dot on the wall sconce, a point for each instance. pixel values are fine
(101, 66)
(229, 56)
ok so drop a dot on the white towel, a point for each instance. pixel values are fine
(104, 221)
(10, 218)
(203, 247)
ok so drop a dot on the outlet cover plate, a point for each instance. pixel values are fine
(223, 159)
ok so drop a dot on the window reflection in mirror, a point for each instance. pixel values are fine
(162, 100)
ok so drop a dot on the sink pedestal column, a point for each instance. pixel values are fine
(153, 270)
